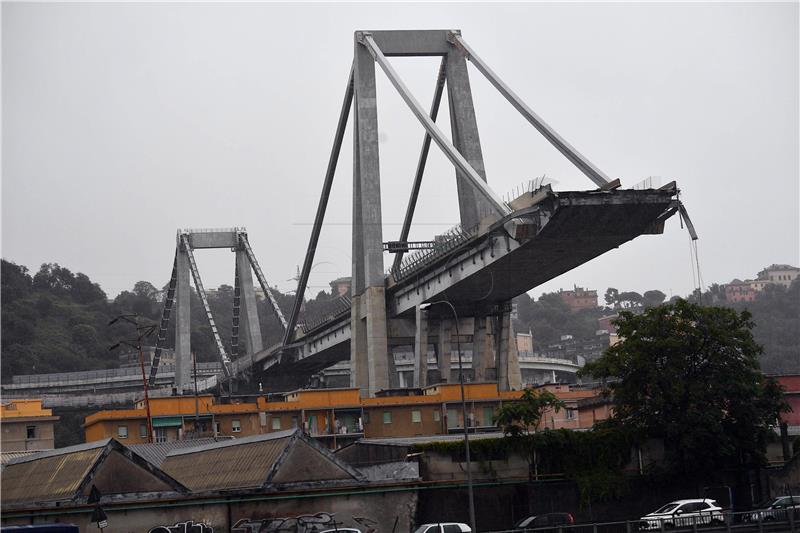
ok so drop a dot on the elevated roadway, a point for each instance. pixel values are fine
(550, 234)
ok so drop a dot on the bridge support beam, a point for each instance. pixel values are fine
(509, 376)
(183, 334)
(421, 349)
(250, 329)
(464, 128)
(368, 344)
(445, 350)
(482, 353)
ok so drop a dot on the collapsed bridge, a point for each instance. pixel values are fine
(499, 250)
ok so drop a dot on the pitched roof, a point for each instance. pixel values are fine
(156, 452)
(7, 457)
(67, 474)
(261, 461)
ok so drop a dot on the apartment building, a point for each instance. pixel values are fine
(26, 426)
(335, 417)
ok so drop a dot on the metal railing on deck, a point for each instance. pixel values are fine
(444, 244)
(330, 311)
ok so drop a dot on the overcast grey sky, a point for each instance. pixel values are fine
(124, 122)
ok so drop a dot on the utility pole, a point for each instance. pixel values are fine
(142, 332)
(196, 398)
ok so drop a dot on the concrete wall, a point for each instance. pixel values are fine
(241, 514)
(15, 434)
(786, 480)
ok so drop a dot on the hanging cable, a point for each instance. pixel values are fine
(700, 283)
(691, 266)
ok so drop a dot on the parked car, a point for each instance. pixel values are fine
(684, 513)
(775, 509)
(444, 527)
(545, 520)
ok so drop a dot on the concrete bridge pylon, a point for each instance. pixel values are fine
(245, 326)
(374, 323)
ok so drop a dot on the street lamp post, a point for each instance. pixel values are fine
(463, 410)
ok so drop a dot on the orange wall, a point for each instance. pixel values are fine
(17, 408)
(410, 415)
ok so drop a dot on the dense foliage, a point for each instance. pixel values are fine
(775, 315)
(689, 375)
(595, 460)
(57, 321)
(776, 318)
(54, 320)
(521, 419)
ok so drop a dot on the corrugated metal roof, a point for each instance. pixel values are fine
(7, 457)
(237, 442)
(63, 451)
(226, 465)
(154, 453)
(48, 476)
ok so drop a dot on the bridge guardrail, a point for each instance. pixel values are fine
(742, 521)
(445, 244)
(105, 375)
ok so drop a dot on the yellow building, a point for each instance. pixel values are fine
(26, 426)
(334, 416)
(174, 418)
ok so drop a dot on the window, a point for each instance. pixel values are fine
(161, 434)
(437, 416)
(122, 432)
(276, 423)
(366, 417)
(416, 416)
(451, 528)
(294, 421)
(217, 429)
(30, 432)
(143, 431)
(387, 417)
(488, 416)
(236, 426)
(452, 418)
(570, 414)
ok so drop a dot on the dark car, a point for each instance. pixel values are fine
(775, 509)
(548, 520)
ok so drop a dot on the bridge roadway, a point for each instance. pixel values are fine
(101, 388)
(545, 236)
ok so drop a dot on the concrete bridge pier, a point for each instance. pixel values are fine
(369, 352)
(421, 348)
(509, 376)
(249, 327)
(183, 333)
(482, 352)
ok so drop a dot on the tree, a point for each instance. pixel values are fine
(16, 282)
(653, 298)
(84, 291)
(54, 278)
(612, 297)
(689, 375)
(520, 420)
(145, 289)
(630, 299)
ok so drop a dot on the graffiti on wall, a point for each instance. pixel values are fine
(184, 527)
(297, 524)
